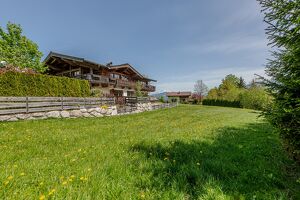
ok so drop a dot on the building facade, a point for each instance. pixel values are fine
(112, 80)
(179, 97)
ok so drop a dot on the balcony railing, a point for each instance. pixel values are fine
(124, 83)
(149, 88)
(94, 78)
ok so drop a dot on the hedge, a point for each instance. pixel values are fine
(21, 84)
(224, 103)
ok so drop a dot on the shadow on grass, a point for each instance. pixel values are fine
(243, 162)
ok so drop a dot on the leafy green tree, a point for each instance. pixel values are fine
(255, 98)
(232, 79)
(213, 93)
(228, 89)
(242, 83)
(138, 89)
(253, 84)
(162, 99)
(16, 49)
(283, 19)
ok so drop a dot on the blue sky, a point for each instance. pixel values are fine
(173, 41)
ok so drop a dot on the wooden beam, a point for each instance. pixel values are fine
(54, 67)
(68, 71)
(53, 61)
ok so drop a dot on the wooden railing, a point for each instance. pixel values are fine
(164, 105)
(149, 88)
(94, 78)
(124, 83)
(19, 105)
(15, 105)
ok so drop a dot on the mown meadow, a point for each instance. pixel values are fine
(188, 152)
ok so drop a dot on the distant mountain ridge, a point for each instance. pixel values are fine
(159, 95)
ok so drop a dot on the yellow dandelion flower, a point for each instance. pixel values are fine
(72, 176)
(70, 179)
(10, 177)
(42, 197)
(22, 174)
(65, 183)
(51, 192)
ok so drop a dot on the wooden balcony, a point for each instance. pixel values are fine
(93, 78)
(149, 88)
(124, 83)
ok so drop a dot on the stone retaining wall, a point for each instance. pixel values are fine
(83, 112)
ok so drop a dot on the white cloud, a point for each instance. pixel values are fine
(229, 45)
(210, 77)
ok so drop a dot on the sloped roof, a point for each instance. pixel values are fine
(178, 94)
(52, 55)
(128, 66)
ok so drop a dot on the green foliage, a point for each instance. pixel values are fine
(162, 99)
(228, 89)
(255, 98)
(213, 93)
(232, 79)
(233, 92)
(187, 152)
(21, 84)
(282, 17)
(96, 92)
(224, 103)
(138, 89)
(242, 83)
(18, 50)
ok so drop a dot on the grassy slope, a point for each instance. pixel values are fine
(187, 152)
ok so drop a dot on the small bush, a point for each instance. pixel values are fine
(255, 98)
(22, 84)
(96, 92)
(224, 103)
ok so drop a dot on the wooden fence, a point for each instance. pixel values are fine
(163, 105)
(18, 105)
(15, 105)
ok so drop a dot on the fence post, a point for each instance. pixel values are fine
(62, 103)
(27, 107)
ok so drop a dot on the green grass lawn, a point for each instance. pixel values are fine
(188, 152)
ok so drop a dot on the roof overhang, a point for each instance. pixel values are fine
(53, 60)
(128, 68)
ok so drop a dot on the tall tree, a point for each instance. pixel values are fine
(16, 49)
(200, 89)
(242, 83)
(283, 19)
(213, 93)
